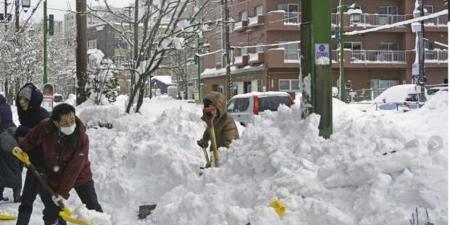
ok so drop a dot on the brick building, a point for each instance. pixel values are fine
(375, 60)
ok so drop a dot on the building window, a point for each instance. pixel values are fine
(260, 85)
(288, 85)
(353, 45)
(388, 46)
(247, 86)
(291, 14)
(235, 88)
(259, 10)
(92, 44)
(243, 16)
(290, 51)
(388, 15)
(428, 9)
(244, 51)
(378, 86)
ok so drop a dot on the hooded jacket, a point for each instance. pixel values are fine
(10, 167)
(66, 161)
(6, 120)
(35, 113)
(224, 125)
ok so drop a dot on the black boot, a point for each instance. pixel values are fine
(16, 194)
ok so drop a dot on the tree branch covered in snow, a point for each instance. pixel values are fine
(160, 27)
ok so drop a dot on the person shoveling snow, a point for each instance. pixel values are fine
(65, 147)
(221, 129)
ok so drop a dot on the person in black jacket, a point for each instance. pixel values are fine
(28, 102)
(10, 167)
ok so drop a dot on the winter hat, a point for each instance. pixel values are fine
(26, 92)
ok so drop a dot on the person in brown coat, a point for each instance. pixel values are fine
(224, 125)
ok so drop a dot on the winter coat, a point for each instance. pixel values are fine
(29, 119)
(6, 120)
(10, 167)
(35, 113)
(224, 125)
(66, 159)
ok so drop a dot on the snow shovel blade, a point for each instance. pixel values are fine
(7, 217)
(21, 155)
(66, 215)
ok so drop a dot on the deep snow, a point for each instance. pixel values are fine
(375, 169)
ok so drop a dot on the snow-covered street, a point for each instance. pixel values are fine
(375, 169)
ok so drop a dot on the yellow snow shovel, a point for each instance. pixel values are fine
(66, 213)
(7, 217)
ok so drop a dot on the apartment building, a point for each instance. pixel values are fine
(265, 38)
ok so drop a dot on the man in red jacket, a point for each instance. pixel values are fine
(65, 146)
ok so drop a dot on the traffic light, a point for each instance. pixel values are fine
(51, 24)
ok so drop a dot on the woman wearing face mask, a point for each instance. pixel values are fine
(30, 112)
(65, 146)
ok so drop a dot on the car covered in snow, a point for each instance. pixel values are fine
(244, 107)
(401, 97)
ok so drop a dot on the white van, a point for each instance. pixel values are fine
(244, 107)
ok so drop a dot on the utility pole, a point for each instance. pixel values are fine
(197, 57)
(17, 12)
(81, 55)
(227, 49)
(5, 17)
(45, 43)
(422, 77)
(341, 52)
(316, 62)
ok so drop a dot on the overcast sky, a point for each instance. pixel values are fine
(58, 7)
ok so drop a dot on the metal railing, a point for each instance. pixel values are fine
(366, 19)
(438, 21)
(378, 56)
(436, 56)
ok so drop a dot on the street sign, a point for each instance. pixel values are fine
(322, 54)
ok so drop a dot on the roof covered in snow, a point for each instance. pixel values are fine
(164, 79)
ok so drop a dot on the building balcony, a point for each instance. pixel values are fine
(255, 21)
(281, 20)
(366, 20)
(240, 61)
(278, 58)
(373, 58)
(240, 26)
(256, 58)
(438, 24)
(436, 56)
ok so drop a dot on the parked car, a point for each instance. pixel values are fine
(244, 107)
(432, 89)
(401, 97)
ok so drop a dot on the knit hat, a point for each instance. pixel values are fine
(26, 92)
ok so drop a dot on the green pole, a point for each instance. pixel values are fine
(341, 51)
(198, 70)
(316, 62)
(45, 41)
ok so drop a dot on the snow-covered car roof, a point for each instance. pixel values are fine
(398, 93)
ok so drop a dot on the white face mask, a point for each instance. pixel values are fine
(68, 130)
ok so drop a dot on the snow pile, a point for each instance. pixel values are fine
(143, 155)
(373, 170)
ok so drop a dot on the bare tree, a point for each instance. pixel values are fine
(159, 27)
